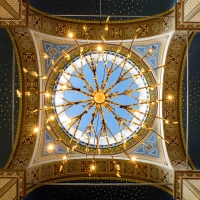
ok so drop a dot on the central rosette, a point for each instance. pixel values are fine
(100, 99)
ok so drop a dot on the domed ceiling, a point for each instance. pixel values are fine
(80, 94)
(95, 101)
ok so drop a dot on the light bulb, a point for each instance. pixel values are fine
(52, 117)
(92, 167)
(64, 157)
(47, 94)
(35, 130)
(129, 55)
(50, 147)
(151, 50)
(133, 158)
(69, 120)
(99, 48)
(70, 35)
(169, 97)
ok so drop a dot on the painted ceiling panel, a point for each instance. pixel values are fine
(6, 97)
(150, 147)
(53, 51)
(98, 192)
(194, 110)
(152, 150)
(49, 140)
(153, 58)
(108, 7)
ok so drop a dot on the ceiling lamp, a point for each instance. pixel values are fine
(101, 100)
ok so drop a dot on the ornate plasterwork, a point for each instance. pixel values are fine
(191, 189)
(120, 31)
(78, 169)
(184, 19)
(183, 66)
(191, 10)
(14, 13)
(12, 184)
(163, 40)
(159, 159)
(29, 60)
(29, 120)
(54, 50)
(186, 185)
(171, 86)
(158, 58)
(49, 86)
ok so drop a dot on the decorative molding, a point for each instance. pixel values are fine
(12, 184)
(29, 120)
(181, 98)
(14, 13)
(180, 23)
(189, 181)
(175, 148)
(120, 31)
(79, 168)
(34, 98)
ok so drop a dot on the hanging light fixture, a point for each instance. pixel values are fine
(96, 88)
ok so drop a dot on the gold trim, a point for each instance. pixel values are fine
(7, 187)
(180, 98)
(19, 99)
(167, 12)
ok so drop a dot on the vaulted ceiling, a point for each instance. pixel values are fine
(46, 33)
(117, 7)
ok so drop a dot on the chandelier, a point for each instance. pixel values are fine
(99, 99)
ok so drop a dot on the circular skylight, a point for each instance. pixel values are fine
(101, 99)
